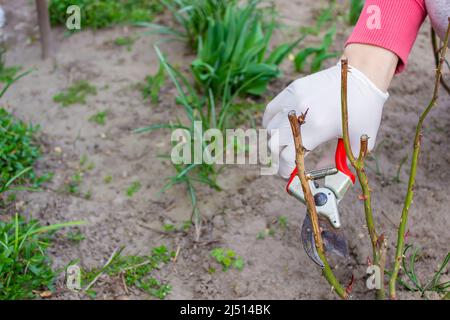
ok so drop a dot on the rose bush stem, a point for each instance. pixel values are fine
(378, 243)
(413, 170)
(296, 123)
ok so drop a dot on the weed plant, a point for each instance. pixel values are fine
(137, 271)
(75, 94)
(25, 267)
(98, 14)
(191, 18)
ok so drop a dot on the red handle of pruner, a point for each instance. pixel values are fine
(340, 158)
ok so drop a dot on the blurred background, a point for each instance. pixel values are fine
(89, 98)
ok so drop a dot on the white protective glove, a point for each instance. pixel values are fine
(321, 94)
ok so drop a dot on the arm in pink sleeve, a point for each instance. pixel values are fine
(390, 24)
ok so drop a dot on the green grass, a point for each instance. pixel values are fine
(261, 235)
(412, 282)
(133, 188)
(25, 266)
(126, 41)
(397, 179)
(280, 224)
(169, 227)
(233, 56)
(99, 118)
(324, 18)
(152, 85)
(191, 18)
(7, 74)
(137, 271)
(374, 163)
(76, 93)
(98, 14)
(18, 153)
(233, 61)
(356, 7)
(227, 258)
(196, 108)
(73, 184)
(324, 27)
(316, 55)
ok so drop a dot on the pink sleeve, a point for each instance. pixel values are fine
(390, 24)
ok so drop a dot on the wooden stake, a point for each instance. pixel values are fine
(44, 28)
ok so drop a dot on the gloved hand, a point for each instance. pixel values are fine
(321, 94)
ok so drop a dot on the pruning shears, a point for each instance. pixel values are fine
(337, 181)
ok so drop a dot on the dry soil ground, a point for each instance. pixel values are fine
(276, 267)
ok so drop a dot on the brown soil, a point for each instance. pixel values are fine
(276, 267)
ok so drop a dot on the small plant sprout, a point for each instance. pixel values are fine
(133, 188)
(412, 281)
(261, 235)
(227, 258)
(73, 183)
(396, 179)
(99, 118)
(434, 45)
(378, 242)
(233, 56)
(18, 154)
(320, 53)
(75, 94)
(296, 123)
(18, 148)
(374, 156)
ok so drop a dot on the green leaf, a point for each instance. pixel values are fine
(239, 263)
(282, 51)
(320, 58)
(301, 57)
